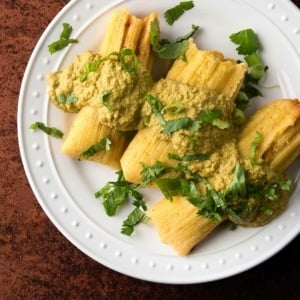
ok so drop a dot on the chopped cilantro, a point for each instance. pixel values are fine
(189, 157)
(212, 117)
(104, 97)
(271, 190)
(170, 126)
(91, 66)
(156, 107)
(253, 148)
(246, 40)
(150, 173)
(171, 187)
(116, 193)
(67, 98)
(173, 14)
(181, 123)
(127, 57)
(129, 60)
(135, 217)
(103, 144)
(248, 46)
(64, 39)
(173, 108)
(164, 48)
(52, 131)
(238, 184)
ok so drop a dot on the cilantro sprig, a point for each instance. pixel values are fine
(67, 99)
(116, 193)
(217, 205)
(104, 98)
(103, 144)
(258, 138)
(64, 39)
(167, 50)
(248, 46)
(173, 14)
(169, 126)
(127, 57)
(52, 131)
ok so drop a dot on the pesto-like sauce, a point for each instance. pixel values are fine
(219, 144)
(118, 94)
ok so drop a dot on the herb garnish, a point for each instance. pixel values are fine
(173, 108)
(116, 193)
(219, 204)
(129, 61)
(52, 131)
(64, 39)
(173, 14)
(189, 157)
(135, 217)
(127, 57)
(150, 173)
(248, 46)
(253, 147)
(164, 48)
(170, 126)
(103, 144)
(104, 97)
(67, 99)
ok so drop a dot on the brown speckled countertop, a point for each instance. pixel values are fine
(36, 261)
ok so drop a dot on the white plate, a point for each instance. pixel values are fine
(65, 187)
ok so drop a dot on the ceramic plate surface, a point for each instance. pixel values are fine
(65, 187)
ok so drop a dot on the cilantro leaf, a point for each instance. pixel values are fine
(150, 173)
(127, 57)
(173, 14)
(52, 131)
(164, 48)
(253, 148)
(171, 51)
(115, 193)
(135, 217)
(173, 108)
(104, 97)
(64, 39)
(171, 187)
(103, 144)
(238, 183)
(189, 157)
(248, 46)
(246, 40)
(67, 98)
(156, 107)
(129, 60)
(90, 66)
(171, 126)
(212, 117)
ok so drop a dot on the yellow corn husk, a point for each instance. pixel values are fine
(86, 130)
(133, 33)
(127, 31)
(115, 32)
(144, 50)
(209, 69)
(279, 125)
(148, 148)
(178, 225)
